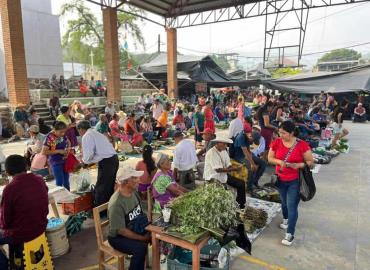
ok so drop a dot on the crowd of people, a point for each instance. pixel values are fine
(263, 129)
(61, 87)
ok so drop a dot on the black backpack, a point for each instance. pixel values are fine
(307, 184)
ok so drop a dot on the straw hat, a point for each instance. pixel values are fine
(222, 139)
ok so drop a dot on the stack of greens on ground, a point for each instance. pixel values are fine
(207, 208)
(253, 219)
(342, 146)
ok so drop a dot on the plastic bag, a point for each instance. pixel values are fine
(83, 181)
(222, 258)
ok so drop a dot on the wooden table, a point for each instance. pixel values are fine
(159, 235)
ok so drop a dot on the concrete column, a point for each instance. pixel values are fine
(111, 54)
(15, 58)
(173, 91)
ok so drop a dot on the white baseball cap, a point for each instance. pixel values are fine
(126, 172)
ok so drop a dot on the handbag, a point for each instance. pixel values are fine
(71, 163)
(307, 187)
(275, 177)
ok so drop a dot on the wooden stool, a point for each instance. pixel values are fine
(37, 255)
(103, 245)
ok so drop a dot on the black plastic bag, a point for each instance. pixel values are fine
(307, 184)
(238, 234)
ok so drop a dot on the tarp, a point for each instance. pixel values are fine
(194, 69)
(352, 80)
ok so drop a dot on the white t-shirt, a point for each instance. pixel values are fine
(184, 155)
(157, 110)
(236, 126)
(216, 160)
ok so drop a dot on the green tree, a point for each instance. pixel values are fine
(282, 72)
(340, 55)
(85, 34)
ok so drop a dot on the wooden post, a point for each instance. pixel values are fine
(111, 54)
(173, 91)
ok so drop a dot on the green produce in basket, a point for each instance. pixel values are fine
(208, 206)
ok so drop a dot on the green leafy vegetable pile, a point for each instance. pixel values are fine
(342, 146)
(209, 206)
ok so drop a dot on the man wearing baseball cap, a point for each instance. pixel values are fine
(127, 220)
(240, 151)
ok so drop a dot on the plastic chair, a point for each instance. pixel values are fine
(103, 246)
(37, 255)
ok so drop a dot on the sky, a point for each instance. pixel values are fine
(328, 28)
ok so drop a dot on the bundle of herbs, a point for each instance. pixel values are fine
(208, 207)
(254, 219)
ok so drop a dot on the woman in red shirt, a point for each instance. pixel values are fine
(208, 114)
(288, 173)
(178, 121)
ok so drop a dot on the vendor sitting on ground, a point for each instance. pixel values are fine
(218, 164)
(102, 126)
(359, 114)
(164, 186)
(179, 121)
(127, 220)
(34, 145)
(115, 130)
(24, 207)
(130, 125)
(146, 127)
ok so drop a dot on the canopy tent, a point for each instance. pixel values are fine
(193, 69)
(352, 80)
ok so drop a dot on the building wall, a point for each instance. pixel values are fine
(2, 64)
(42, 41)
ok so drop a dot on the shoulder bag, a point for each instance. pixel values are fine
(275, 177)
(307, 187)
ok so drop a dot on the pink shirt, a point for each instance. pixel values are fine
(145, 178)
(157, 111)
(113, 125)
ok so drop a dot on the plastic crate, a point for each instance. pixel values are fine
(173, 264)
(80, 204)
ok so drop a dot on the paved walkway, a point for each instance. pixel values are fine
(333, 231)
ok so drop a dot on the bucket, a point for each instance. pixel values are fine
(56, 234)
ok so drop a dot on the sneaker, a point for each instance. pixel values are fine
(288, 240)
(284, 225)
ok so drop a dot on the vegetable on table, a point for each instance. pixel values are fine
(207, 207)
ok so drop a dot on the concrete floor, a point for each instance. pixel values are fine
(333, 231)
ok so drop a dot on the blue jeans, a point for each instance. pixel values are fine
(289, 194)
(61, 177)
(4, 262)
(259, 172)
(148, 136)
(132, 247)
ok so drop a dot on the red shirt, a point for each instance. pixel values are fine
(24, 208)
(289, 174)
